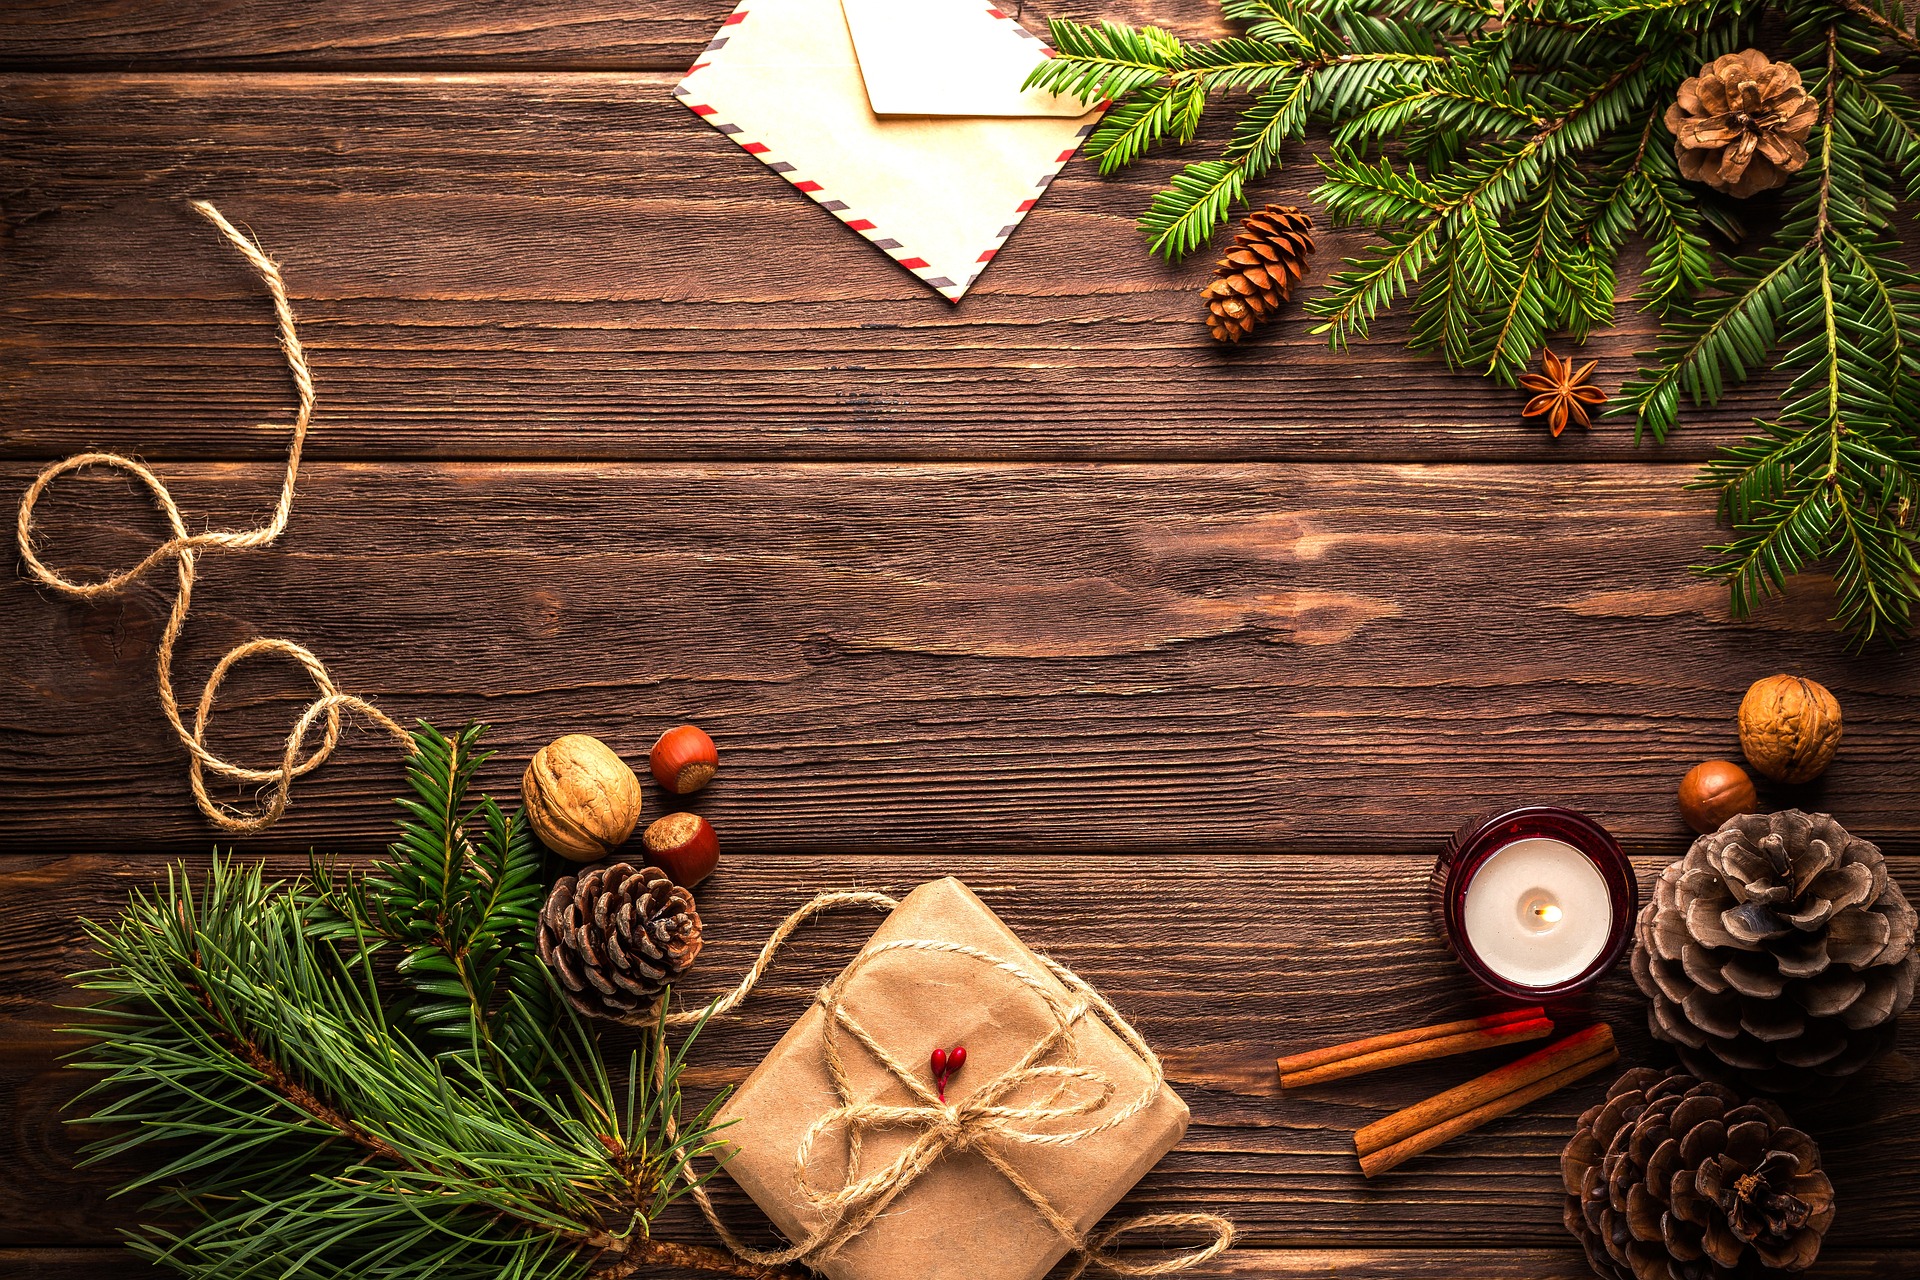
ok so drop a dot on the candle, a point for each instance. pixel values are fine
(1536, 901)
(1537, 912)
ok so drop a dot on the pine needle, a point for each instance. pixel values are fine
(299, 1119)
(1505, 156)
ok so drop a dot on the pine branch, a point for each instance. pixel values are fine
(1182, 217)
(1507, 158)
(305, 1137)
(460, 893)
(1880, 22)
(1295, 64)
(1828, 481)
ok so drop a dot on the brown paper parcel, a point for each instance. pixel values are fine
(912, 990)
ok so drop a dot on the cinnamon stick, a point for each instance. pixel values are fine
(1354, 1048)
(1378, 1162)
(1506, 1032)
(1517, 1074)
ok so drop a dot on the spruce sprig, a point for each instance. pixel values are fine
(1505, 155)
(460, 893)
(296, 1130)
(1298, 62)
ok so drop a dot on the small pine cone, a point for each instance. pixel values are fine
(1778, 952)
(1673, 1179)
(1741, 125)
(616, 937)
(1251, 282)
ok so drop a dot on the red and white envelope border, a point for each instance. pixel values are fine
(688, 93)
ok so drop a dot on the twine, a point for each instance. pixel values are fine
(183, 549)
(983, 1123)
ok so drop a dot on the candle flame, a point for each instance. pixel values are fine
(1548, 912)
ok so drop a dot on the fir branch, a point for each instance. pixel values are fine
(1182, 217)
(1880, 22)
(460, 893)
(1723, 336)
(1827, 481)
(1506, 159)
(306, 1137)
(1296, 64)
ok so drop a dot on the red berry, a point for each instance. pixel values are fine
(939, 1062)
(956, 1060)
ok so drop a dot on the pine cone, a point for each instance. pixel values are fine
(1778, 950)
(1672, 1179)
(1251, 282)
(1741, 125)
(616, 937)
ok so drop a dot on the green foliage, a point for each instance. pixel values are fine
(1505, 155)
(296, 1130)
(369, 1076)
(460, 892)
(1298, 63)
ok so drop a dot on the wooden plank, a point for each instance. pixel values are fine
(997, 658)
(529, 266)
(572, 34)
(1279, 1264)
(1221, 961)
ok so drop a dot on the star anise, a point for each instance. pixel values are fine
(1561, 393)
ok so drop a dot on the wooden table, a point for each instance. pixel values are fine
(1184, 658)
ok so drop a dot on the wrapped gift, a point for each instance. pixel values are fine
(843, 1138)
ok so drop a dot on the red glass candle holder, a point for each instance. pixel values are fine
(1474, 843)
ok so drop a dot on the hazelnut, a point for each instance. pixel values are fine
(1789, 728)
(1714, 791)
(684, 760)
(684, 846)
(582, 799)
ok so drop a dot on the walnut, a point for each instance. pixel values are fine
(1789, 728)
(581, 798)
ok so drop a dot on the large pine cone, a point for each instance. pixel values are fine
(1778, 950)
(1251, 282)
(1672, 1179)
(1741, 125)
(616, 937)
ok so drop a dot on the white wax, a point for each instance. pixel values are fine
(1537, 912)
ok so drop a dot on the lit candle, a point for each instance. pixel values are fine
(1536, 901)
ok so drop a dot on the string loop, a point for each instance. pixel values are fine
(329, 707)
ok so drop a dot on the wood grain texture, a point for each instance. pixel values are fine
(617, 429)
(570, 34)
(574, 266)
(1272, 1264)
(989, 658)
(1220, 962)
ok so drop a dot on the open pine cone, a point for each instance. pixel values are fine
(1741, 125)
(616, 937)
(1673, 1179)
(1778, 950)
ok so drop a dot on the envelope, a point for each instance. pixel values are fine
(905, 119)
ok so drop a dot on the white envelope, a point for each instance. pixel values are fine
(903, 118)
(948, 58)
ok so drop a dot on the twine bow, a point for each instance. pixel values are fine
(987, 1122)
(184, 549)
